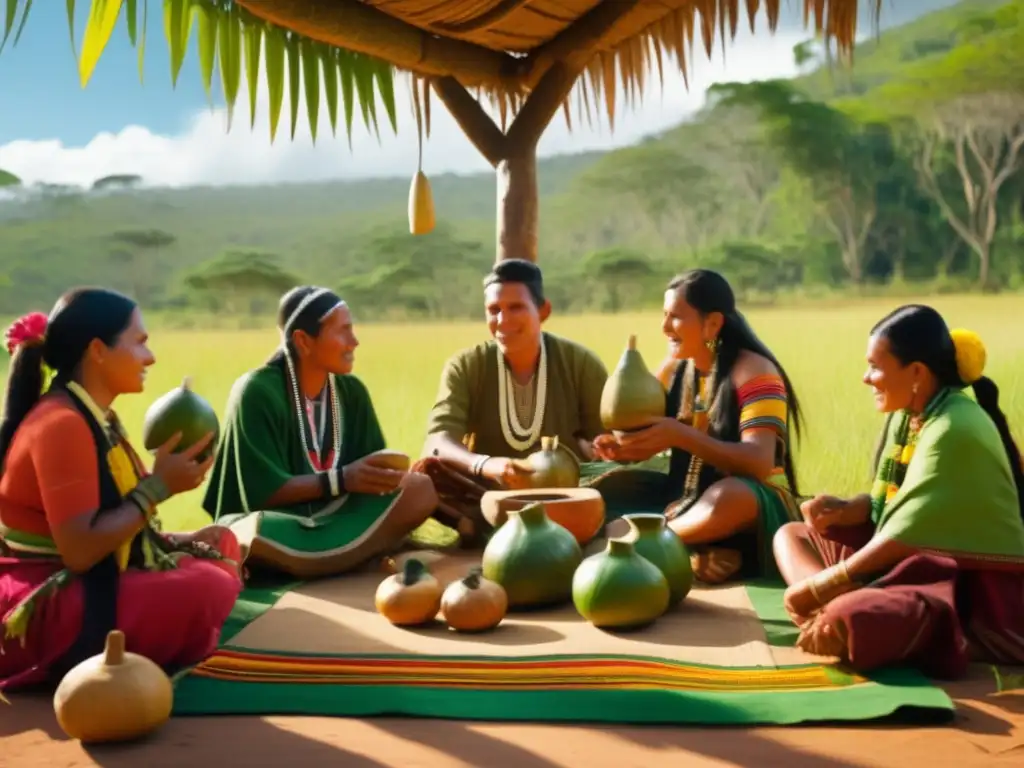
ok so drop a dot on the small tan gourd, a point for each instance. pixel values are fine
(409, 597)
(473, 603)
(113, 696)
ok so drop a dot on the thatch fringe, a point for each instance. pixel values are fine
(618, 77)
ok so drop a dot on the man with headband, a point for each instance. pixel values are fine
(301, 455)
(498, 398)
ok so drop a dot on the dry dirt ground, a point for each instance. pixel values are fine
(988, 731)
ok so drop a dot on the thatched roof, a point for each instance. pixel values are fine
(502, 48)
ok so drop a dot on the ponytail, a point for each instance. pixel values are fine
(24, 387)
(987, 394)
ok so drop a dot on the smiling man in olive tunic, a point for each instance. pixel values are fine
(498, 398)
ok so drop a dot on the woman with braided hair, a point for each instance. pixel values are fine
(927, 568)
(81, 552)
(301, 452)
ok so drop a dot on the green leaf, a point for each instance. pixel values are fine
(142, 41)
(294, 76)
(102, 20)
(177, 27)
(253, 33)
(275, 53)
(384, 75)
(311, 76)
(70, 6)
(345, 65)
(364, 87)
(329, 63)
(207, 43)
(229, 34)
(9, 17)
(24, 18)
(133, 19)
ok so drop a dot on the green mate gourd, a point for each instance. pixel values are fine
(554, 465)
(619, 589)
(181, 410)
(632, 396)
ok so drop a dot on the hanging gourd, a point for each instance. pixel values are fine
(421, 200)
(113, 696)
(473, 603)
(554, 465)
(410, 597)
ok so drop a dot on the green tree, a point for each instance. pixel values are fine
(136, 250)
(833, 151)
(240, 281)
(622, 274)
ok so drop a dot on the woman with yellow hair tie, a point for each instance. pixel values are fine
(927, 569)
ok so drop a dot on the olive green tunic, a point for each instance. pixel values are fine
(466, 408)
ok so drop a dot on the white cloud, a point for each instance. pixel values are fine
(206, 153)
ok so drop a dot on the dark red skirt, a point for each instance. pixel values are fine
(172, 617)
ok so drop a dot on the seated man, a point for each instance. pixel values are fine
(497, 399)
(301, 449)
(927, 569)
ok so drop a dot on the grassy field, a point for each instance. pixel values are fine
(822, 347)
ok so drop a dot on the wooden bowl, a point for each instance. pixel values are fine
(579, 510)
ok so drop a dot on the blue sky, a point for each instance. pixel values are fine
(52, 130)
(42, 97)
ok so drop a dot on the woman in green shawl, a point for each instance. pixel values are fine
(927, 569)
(302, 459)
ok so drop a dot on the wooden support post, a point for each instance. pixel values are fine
(513, 154)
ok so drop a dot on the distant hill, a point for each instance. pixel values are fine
(320, 231)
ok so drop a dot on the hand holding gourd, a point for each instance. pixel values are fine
(511, 474)
(180, 471)
(661, 435)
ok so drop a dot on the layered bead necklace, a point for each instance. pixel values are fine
(518, 437)
(696, 406)
(304, 413)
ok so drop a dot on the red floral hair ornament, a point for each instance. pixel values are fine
(28, 330)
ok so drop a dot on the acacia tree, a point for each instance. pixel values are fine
(237, 280)
(832, 151)
(132, 247)
(986, 135)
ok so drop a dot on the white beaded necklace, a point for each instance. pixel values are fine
(337, 420)
(518, 437)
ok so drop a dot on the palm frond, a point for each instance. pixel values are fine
(231, 39)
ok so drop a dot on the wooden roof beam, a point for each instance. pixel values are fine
(358, 27)
(576, 44)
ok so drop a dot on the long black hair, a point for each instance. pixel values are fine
(79, 316)
(918, 334)
(707, 291)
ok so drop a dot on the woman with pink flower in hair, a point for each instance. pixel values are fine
(81, 552)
